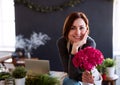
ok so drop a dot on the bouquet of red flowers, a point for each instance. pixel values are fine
(88, 58)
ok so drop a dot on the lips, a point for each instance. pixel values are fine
(77, 37)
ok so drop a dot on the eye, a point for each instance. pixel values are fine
(73, 27)
(81, 28)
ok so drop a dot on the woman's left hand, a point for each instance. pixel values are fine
(87, 77)
(80, 43)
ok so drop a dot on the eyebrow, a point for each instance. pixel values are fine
(79, 26)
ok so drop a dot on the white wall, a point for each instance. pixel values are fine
(117, 58)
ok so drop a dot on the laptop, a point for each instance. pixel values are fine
(34, 66)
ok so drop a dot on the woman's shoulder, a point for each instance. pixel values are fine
(91, 41)
(61, 40)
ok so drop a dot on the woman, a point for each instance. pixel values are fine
(75, 37)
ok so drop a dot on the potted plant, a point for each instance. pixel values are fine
(19, 73)
(102, 69)
(42, 79)
(109, 64)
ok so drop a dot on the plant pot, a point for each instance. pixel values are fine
(20, 81)
(104, 76)
(110, 71)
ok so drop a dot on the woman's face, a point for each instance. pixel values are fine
(77, 30)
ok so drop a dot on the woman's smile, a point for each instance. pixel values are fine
(77, 31)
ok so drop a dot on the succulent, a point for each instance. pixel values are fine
(109, 62)
(19, 72)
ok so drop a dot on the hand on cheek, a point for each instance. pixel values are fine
(79, 43)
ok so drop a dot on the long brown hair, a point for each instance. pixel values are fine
(70, 19)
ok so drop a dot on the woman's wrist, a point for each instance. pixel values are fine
(74, 51)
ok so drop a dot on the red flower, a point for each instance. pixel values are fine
(88, 58)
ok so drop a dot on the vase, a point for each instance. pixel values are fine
(20, 81)
(110, 71)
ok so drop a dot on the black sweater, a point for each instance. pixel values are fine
(66, 57)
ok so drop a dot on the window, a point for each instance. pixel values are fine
(7, 25)
(116, 28)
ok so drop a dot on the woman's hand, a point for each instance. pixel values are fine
(80, 43)
(87, 77)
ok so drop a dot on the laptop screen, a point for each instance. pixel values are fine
(35, 66)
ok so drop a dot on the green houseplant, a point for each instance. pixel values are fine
(4, 75)
(102, 69)
(41, 79)
(107, 68)
(19, 73)
(109, 64)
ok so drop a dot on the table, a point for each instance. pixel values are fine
(2, 59)
(110, 81)
(60, 75)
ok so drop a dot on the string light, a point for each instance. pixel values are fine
(46, 9)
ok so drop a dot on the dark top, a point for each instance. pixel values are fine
(66, 57)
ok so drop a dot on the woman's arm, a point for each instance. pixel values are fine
(63, 52)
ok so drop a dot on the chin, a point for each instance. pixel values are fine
(76, 41)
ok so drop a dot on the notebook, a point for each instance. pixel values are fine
(34, 66)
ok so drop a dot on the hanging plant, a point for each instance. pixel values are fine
(46, 9)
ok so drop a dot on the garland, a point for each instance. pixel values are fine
(46, 9)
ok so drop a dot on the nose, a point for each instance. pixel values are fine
(78, 31)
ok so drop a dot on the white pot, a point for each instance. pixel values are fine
(110, 71)
(20, 81)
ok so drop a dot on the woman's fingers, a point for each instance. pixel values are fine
(87, 77)
(80, 43)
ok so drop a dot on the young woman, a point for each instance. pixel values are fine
(75, 37)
